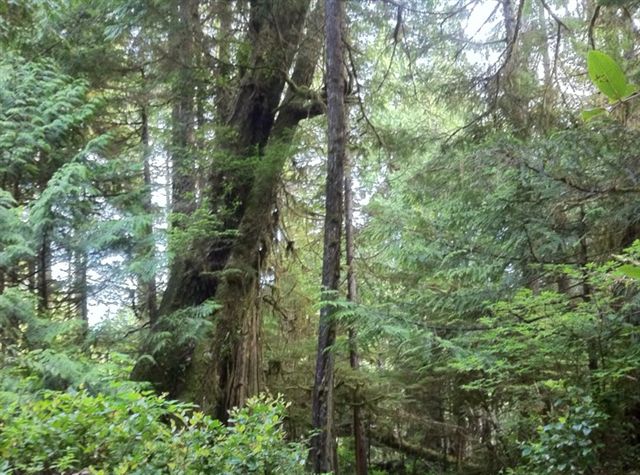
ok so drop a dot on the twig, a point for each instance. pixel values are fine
(592, 25)
(360, 103)
(554, 16)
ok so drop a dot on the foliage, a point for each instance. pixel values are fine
(139, 433)
(497, 324)
(609, 78)
(566, 445)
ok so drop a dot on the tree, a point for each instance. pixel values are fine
(240, 193)
(323, 443)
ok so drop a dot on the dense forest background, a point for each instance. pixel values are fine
(282, 236)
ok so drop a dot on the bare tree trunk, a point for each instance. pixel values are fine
(352, 296)
(147, 282)
(223, 69)
(80, 284)
(512, 103)
(546, 112)
(165, 373)
(183, 111)
(183, 181)
(509, 20)
(44, 257)
(323, 443)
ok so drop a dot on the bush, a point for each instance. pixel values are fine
(567, 445)
(140, 433)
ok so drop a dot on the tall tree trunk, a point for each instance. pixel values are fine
(223, 69)
(147, 281)
(352, 296)
(224, 368)
(323, 443)
(512, 103)
(547, 95)
(44, 272)
(183, 180)
(183, 110)
(165, 371)
(509, 21)
(80, 286)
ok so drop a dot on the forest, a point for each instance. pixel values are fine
(320, 236)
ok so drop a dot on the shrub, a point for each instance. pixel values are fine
(567, 445)
(141, 433)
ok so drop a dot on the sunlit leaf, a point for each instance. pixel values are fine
(607, 75)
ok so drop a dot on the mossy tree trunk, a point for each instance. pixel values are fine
(224, 368)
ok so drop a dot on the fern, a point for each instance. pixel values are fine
(182, 327)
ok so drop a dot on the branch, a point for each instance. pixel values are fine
(135, 330)
(554, 16)
(360, 102)
(592, 25)
(582, 188)
(514, 40)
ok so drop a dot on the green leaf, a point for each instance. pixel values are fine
(629, 270)
(631, 89)
(590, 114)
(607, 75)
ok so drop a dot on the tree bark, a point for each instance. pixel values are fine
(183, 181)
(224, 368)
(80, 283)
(44, 272)
(323, 443)
(147, 282)
(182, 288)
(183, 110)
(352, 296)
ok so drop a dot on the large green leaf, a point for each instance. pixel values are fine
(607, 75)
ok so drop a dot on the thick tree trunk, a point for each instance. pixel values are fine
(183, 111)
(223, 69)
(183, 288)
(323, 443)
(224, 368)
(509, 20)
(512, 103)
(547, 96)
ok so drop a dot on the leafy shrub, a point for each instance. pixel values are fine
(140, 433)
(567, 445)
